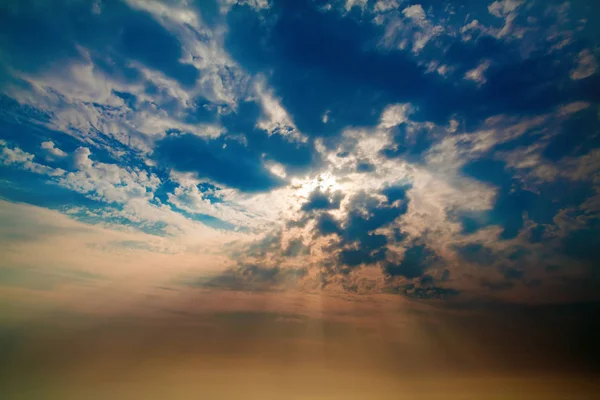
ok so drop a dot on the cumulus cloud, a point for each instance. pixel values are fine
(14, 156)
(52, 150)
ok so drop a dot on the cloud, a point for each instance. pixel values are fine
(388, 148)
(386, 5)
(131, 190)
(52, 150)
(355, 3)
(502, 8)
(209, 202)
(257, 5)
(276, 118)
(478, 74)
(415, 12)
(114, 87)
(413, 25)
(586, 65)
(108, 182)
(395, 115)
(17, 157)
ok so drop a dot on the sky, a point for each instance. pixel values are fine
(314, 199)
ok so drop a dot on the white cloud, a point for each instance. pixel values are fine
(81, 158)
(15, 156)
(572, 108)
(586, 65)
(395, 115)
(81, 100)
(276, 118)
(502, 8)
(257, 5)
(477, 74)
(386, 5)
(52, 150)
(173, 12)
(441, 69)
(133, 191)
(411, 25)
(437, 188)
(474, 29)
(192, 200)
(108, 182)
(23, 160)
(416, 13)
(507, 10)
(355, 3)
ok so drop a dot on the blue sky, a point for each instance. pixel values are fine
(435, 150)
